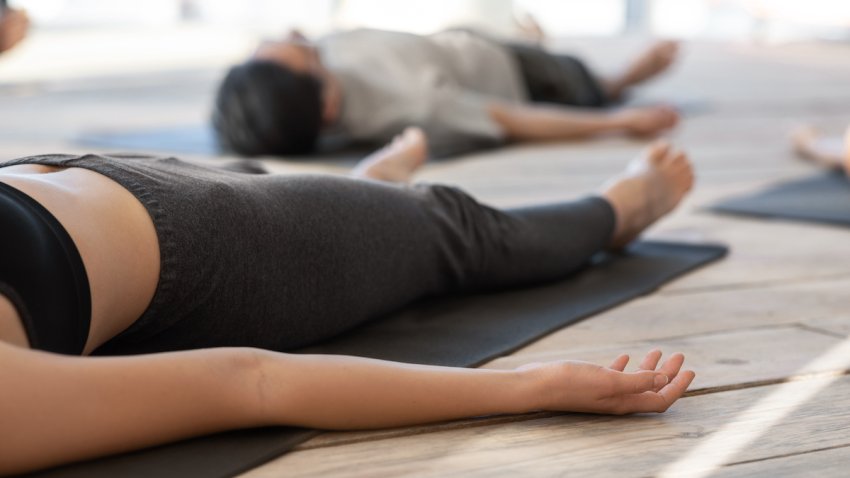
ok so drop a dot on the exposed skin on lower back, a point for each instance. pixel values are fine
(114, 235)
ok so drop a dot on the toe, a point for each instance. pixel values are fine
(658, 151)
(679, 159)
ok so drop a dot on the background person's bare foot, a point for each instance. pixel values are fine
(650, 187)
(825, 151)
(397, 161)
(652, 62)
(648, 121)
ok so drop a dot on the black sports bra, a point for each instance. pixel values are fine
(42, 274)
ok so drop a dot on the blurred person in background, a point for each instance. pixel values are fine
(466, 90)
(13, 26)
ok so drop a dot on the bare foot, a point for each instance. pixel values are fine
(825, 151)
(648, 120)
(397, 161)
(650, 187)
(650, 63)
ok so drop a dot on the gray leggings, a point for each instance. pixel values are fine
(281, 262)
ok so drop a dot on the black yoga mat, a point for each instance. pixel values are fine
(823, 198)
(199, 139)
(459, 331)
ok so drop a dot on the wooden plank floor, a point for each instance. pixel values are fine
(767, 329)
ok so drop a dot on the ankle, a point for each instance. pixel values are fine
(618, 201)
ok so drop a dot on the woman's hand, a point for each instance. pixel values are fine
(647, 121)
(584, 387)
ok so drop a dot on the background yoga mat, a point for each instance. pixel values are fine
(823, 198)
(187, 139)
(459, 331)
(199, 139)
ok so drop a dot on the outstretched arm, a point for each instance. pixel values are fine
(541, 122)
(339, 392)
(56, 409)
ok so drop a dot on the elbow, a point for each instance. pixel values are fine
(244, 370)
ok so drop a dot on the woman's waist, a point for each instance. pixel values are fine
(112, 232)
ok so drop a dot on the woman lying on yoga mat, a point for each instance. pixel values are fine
(207, 274)
(826, 151)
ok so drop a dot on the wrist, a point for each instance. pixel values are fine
(529, 389)
(622, 119)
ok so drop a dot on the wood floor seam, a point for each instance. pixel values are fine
(787, 455)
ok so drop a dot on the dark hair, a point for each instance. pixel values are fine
(266, 108)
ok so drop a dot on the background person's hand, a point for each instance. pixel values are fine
(648, 120)
(584, 387)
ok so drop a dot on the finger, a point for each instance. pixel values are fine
(620, 363)
(657, 402)
(637, 382)
(671, 117)
(672, 365)
(651, 360)
(677, 387)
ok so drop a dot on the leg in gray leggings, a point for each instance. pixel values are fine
(292, 260)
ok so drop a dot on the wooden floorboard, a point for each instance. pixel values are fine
(837, 323)
(662, 316)
(824, 463)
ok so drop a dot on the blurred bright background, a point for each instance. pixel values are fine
(83, 38)
(682, 18)
(127, 65)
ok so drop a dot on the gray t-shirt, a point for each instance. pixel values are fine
(443, 83)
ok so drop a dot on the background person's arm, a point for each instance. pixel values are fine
(543, 122)
(56, 409)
